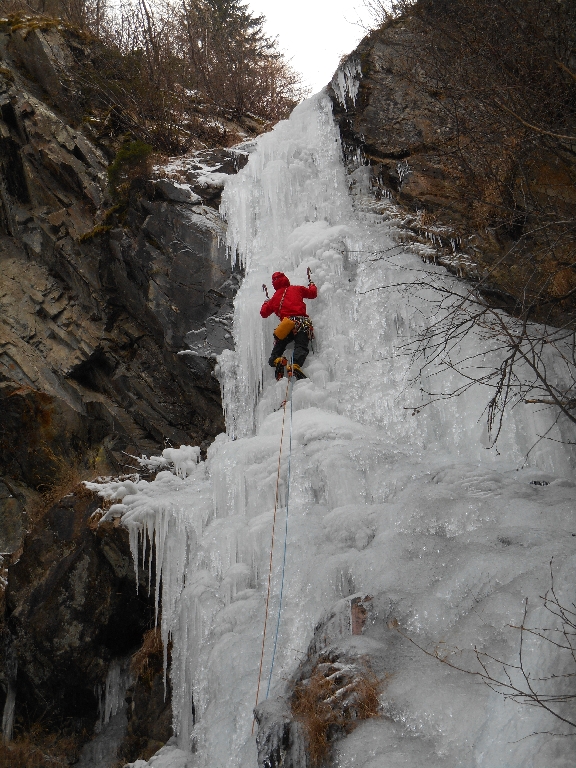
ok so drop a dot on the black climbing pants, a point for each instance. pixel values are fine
(301, 342)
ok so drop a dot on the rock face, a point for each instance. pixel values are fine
(11, 517)
(92, 318)
(71, 609)
(96, 307)
(482, 199)
(389, 120)
(149, 707)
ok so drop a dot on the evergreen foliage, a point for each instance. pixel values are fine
(131, 161)
(174, 74)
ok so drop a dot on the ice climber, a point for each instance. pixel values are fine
(295, 325)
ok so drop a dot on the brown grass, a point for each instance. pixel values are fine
(39, 749)
(68, 481)
(149, 660)
(332, 703)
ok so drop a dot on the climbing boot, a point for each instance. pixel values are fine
(279, 364)
(296, 371)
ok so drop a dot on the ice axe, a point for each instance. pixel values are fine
(309, 273)
(265, 289)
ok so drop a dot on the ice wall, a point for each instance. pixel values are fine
(288, 205)
(387, 498)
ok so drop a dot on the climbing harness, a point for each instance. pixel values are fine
(288, 397)
(302, 323)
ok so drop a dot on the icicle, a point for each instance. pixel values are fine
(346, 81)
(8, 713)
(117, 681)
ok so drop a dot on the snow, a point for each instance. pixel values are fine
(167, 757)
(408, 504)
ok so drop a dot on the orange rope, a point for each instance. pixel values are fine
(271, 552)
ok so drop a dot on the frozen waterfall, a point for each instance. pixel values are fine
(409, 506)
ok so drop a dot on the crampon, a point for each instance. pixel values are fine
(295, 371)
(279, 364)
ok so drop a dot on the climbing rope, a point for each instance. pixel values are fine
(276, 499)
(285, 540)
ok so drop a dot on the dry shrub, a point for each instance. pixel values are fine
(142, 68)
(427, 218)
(149, 660)
(309, 707)
(68, 481)
(332, 701)
(367, 703)
(24, 755)
(38, 748)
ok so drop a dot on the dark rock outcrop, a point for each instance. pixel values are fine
(149, 710)
(11, 517)
(71, 609)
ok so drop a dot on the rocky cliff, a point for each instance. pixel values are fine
(472, 136)
(97, 299)
(93, 316)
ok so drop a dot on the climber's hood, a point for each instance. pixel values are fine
(279, 280)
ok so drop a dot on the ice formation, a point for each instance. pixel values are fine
(346, 81)
(117, 682)
(404, 503)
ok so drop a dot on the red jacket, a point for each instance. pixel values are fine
(293, 303)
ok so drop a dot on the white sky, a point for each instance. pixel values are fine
(314, 34)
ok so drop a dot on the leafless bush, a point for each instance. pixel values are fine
(38, 748)
(383, 11)
(499, 81)
(518, 361)
(518, 682)
(165, 71)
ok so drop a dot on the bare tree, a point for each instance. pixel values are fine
(232, 62)
(518, 681)
(528, 362)
(168, 71)
(499, 81)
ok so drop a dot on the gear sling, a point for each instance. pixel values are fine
(285, 326)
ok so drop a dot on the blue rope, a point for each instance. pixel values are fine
(285, 539)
